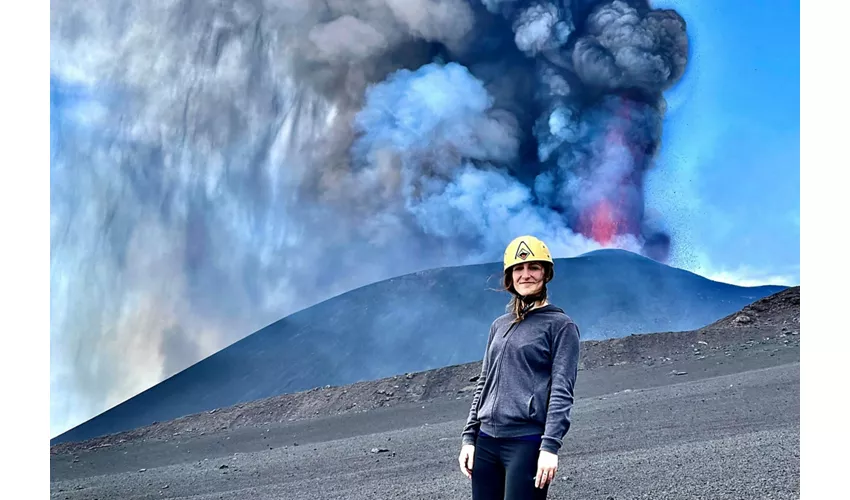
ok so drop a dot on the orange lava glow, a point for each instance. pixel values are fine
(602, 223)
(605, 219)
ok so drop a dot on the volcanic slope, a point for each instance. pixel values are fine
(422, 321)
(709, 413)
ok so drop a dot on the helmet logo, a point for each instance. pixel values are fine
(523, 251)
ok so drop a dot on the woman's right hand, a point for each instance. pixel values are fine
(467, 454)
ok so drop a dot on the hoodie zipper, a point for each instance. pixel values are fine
(499, 369)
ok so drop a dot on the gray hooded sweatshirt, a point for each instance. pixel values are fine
(527, 378)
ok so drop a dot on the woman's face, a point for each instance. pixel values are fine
(528, 277)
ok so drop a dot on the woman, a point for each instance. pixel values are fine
(521, 407)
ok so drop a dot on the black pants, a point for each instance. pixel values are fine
(504, 469)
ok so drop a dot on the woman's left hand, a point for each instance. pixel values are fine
(547, 466)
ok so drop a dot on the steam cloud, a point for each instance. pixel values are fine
(217, 166)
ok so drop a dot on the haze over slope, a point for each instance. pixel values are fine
(422, 321)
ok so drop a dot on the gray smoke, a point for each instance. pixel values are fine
(218, 165)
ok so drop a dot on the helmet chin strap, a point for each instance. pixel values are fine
(530, 300)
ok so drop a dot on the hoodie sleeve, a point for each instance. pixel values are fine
(565, 357)
(470, 430)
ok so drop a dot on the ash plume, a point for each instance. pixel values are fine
(216, 166)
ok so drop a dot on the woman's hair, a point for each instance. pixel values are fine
(518, 305)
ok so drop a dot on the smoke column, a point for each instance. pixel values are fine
(218, 165)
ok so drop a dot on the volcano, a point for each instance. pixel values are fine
(423, 321)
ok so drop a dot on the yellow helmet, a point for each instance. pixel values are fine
(526, 249)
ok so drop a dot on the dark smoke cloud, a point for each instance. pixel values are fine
(216, 166)
(628, 47)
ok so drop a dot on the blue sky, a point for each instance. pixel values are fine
(728, 177)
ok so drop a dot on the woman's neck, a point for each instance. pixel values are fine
(539, 304)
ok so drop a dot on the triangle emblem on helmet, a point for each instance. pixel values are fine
(523, 251)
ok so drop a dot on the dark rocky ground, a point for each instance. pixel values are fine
(711, 413)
